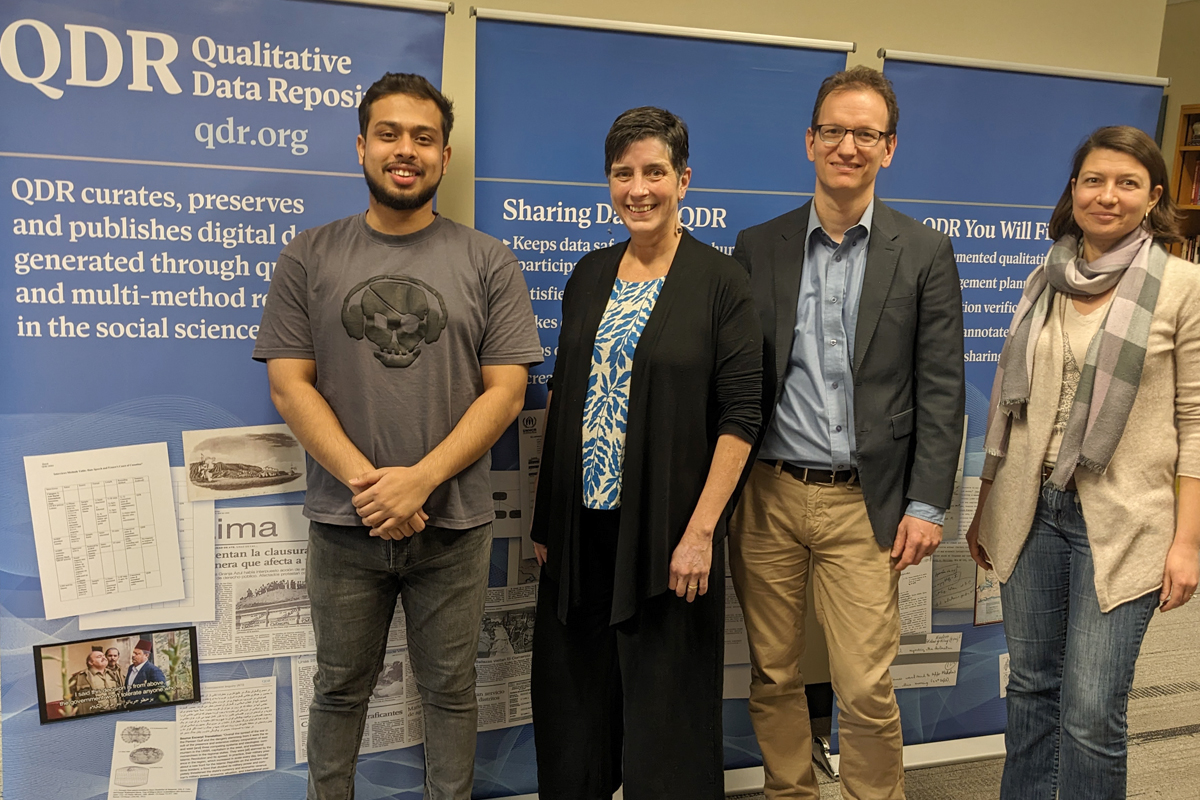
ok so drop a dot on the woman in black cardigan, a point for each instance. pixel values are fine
(656, 402)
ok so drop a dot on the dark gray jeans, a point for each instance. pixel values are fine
(353, 581)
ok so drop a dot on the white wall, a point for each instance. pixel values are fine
(1179, 60)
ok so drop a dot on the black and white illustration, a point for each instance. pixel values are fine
(505, 633)
(279, 603)
(135, 734)
(146, 755)
(397, 314)
(243, 462)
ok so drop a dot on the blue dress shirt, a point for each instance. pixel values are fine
(813, 424)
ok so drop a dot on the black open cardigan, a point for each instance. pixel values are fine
(697, 374)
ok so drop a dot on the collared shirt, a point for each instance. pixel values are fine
(133, 672)
(813, 424)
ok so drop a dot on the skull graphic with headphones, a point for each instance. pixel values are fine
(396, 314)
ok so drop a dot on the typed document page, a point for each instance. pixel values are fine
(104, 528)
(145, 763)
(231, 731)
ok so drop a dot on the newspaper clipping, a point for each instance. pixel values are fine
(262, 597)
(394, 717)
(503, 665)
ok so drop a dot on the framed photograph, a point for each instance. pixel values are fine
(116, 673)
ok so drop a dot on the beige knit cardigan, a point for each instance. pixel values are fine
(1130, 509)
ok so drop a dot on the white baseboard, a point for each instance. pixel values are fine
(916, 756)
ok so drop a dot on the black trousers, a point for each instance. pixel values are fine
(641, 699)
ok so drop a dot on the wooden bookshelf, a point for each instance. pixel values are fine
(1185, 181)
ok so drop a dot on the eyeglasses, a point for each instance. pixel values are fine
(863, 137)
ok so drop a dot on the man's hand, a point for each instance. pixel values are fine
(539, 550)
(394, 529)
(389, 497)
(915, 539)
(690, 564)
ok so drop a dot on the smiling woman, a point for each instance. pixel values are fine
(1094, 418)
(654, 408)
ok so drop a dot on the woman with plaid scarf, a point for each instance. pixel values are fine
(1094, 421)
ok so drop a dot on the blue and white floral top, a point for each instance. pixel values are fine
(606, 407)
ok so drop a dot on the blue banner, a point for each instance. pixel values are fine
(155, 158)
(983, 155)
(546, 96)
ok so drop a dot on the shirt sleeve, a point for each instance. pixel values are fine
(511, 336)
(738, 367)
(285, 331)
(926, 512)
(1187, 383)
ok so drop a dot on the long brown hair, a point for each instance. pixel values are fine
(1163, 220)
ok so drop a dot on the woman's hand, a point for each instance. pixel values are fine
(977, 553)
(1180, 576)
(690, 564)
(1182, 570)
(539, 550)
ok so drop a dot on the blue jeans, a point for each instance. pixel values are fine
(1072, 665)
(353, 580)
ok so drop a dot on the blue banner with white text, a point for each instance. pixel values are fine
(155, 158)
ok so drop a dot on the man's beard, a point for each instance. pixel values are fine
(400, 202)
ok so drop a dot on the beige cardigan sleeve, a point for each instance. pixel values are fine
(1187, 378)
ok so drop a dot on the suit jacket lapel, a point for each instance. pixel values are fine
(883, 251)
(789, 265)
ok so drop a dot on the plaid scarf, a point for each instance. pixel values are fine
(1112, 368)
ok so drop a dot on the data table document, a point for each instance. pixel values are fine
(104, 527)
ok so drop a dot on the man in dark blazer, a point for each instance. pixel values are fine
(144, 682)
(863, 400)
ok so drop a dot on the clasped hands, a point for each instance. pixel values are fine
(390, 500)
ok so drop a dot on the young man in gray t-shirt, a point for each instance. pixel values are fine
(398, 345)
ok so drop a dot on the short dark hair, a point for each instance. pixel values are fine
(647, 122)
(412, 85)
(1162, 221)
(860, 77)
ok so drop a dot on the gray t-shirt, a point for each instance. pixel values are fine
(399, 327)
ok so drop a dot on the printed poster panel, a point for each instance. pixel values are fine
(155, 158)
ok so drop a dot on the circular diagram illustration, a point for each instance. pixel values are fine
(135, 734)
(146, 755)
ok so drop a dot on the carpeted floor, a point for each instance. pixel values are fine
(1164, 727)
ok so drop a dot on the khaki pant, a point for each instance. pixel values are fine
(782, 528)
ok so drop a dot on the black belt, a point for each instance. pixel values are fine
(1048, 470)
(824, 477)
